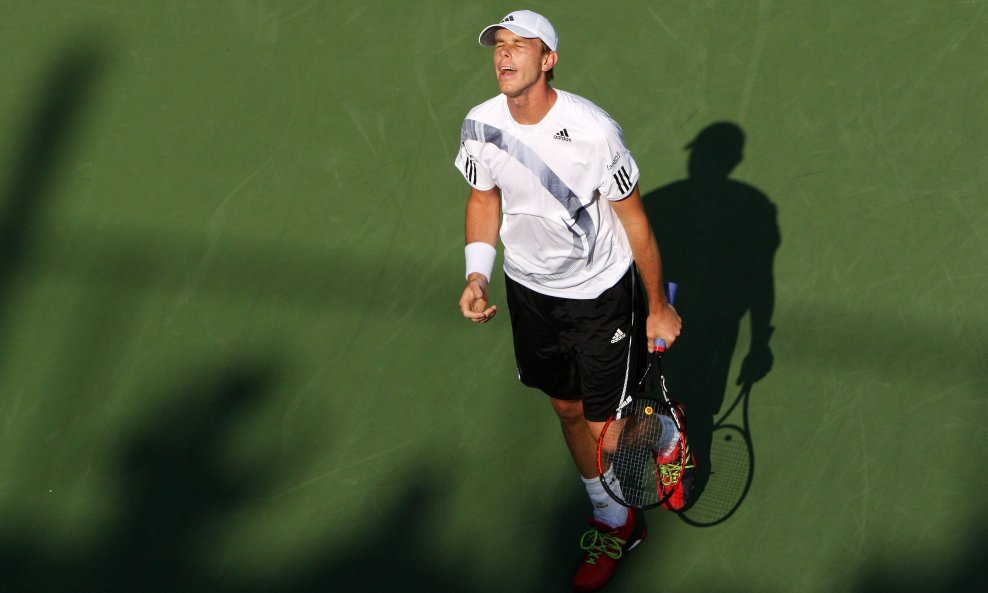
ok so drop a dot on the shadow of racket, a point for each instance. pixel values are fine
(732, 467)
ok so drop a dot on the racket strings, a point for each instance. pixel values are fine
(632, 458)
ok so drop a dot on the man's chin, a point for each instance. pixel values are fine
(509, 90)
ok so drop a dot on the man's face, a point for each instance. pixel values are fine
(517, 62)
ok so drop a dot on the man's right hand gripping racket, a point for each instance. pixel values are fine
(642, 455)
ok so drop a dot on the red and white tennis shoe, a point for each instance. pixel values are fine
(677, 468)
(603, 546)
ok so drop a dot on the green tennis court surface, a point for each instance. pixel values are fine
(231, 358)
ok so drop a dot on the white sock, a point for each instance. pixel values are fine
(670, 435)
(606, 509)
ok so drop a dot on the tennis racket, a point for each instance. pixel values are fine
(732, 467)
(627, 447)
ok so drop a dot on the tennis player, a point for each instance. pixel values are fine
(550, 173)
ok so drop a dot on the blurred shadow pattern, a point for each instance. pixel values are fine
(173, 479)
(173, 483)
(966, 572)
(718, 239)
(177, 486)
(48, 137)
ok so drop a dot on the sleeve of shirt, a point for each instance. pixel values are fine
(620, 169)
(470, 167)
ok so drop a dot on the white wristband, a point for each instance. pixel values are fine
(480, 258)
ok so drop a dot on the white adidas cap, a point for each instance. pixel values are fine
(526, 24)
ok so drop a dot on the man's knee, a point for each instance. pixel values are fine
(568, 410)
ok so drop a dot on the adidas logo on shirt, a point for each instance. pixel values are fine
(562, 135)
(618, 336)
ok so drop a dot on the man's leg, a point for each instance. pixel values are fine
(614, 529)
(579, 435)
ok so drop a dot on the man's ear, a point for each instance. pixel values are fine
(549, 61)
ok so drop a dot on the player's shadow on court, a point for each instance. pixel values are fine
(718, 239)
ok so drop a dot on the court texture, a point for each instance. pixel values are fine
(231, 249)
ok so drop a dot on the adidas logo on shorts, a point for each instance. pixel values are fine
(618, 336)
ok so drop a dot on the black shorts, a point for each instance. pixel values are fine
(588, 349)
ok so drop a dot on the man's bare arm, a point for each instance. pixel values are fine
(663, 321)
(483, 219)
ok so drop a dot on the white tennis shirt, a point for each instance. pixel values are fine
(560, 238)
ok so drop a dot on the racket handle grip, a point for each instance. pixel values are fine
(660, 344)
